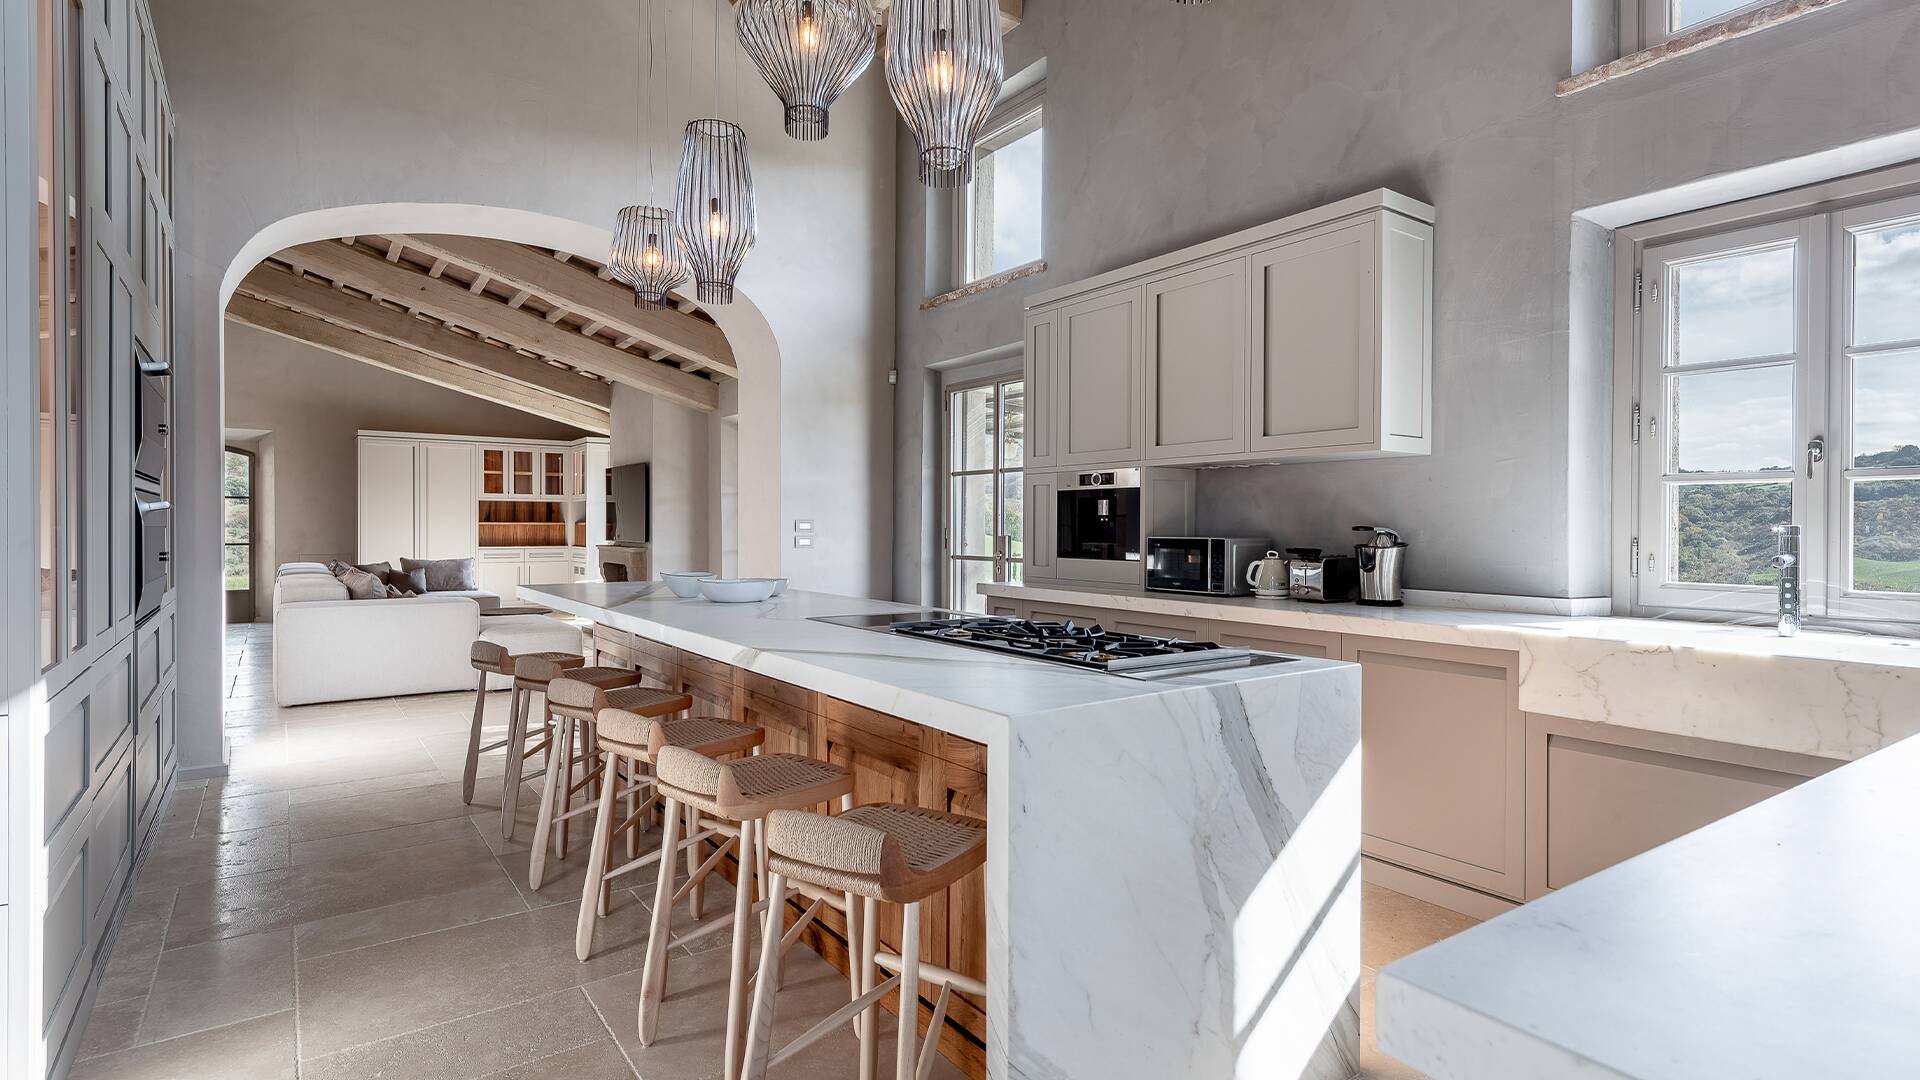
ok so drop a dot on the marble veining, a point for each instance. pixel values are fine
(1827, 695)
(1172, 866)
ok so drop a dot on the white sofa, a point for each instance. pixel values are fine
(328, 647)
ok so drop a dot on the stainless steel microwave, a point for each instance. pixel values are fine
(1214, 565)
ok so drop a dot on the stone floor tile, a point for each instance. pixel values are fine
(242, 812)
(376, 926)
(219, 983)
(375, 993)
(180, 860)
(1398, 925)
(113, 1026)
(483, 1044)
(260, 1049)
(601, 1060)
(444, 830)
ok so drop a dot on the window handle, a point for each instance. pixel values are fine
(1816, 453)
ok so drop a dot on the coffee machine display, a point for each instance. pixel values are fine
(1380, 558)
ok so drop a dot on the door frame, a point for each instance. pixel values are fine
(239, 602)
(1001, 558)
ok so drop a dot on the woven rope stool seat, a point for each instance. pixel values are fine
(582, 692)
(536, 670)
(890, 852)
(748, 787)
(879, 852)
(492, 658)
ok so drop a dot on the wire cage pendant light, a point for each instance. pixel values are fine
(714, 216)
(646, 257)
(945, 68)
(809, 52)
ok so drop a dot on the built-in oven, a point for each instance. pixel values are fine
(154, 554)
(151, 438)
(1214, 565)
(1098, 516)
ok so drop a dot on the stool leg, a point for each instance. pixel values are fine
(909, 1039)
(473, 742)
(543, 825)
(516, 739)
(596, 870)
(568, 734)
(653, 981)
(760, 1025)
(697, 896)
(632, 769)
(742, 935)
(869, 1030)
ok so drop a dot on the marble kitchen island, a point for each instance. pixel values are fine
(1172, 879)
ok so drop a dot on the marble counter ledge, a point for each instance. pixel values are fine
(1775, 943)
(1827, 695)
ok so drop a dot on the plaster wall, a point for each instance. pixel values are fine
(673, 440)
(288, 109)
(1177, 124)
(315, 404)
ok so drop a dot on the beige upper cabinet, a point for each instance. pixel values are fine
(1196, 363)
(1040, 378)
(1098, 403)
(1305, 339)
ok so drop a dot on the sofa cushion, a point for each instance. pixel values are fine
(445, 575)
(362, 585)
(377, 569)
(302, 568)
(307, 588)
(487, 601)
(410, 582)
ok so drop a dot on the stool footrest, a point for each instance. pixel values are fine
(966, 984)
(840, 1016)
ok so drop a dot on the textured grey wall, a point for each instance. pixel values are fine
(1169, 125)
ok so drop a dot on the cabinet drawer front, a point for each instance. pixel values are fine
(606, 636)
(876, 725)
(775, 691)
(789, 729)
(1315, 341)
(712, 691)
(1312, 643)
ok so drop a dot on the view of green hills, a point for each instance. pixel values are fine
(1726, 530)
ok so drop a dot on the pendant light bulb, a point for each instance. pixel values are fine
(940, 71)
(716, 221)
(809, 27)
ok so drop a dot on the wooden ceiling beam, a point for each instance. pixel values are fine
(523, 329)
(367, 317)
(378, 352)
(605, 302)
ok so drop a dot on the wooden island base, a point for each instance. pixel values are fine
(892, 760)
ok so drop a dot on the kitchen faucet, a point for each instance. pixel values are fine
(1787, 562)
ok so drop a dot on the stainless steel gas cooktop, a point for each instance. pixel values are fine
(1091, 646)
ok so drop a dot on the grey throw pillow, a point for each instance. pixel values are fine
(445, 575)
(409, 582)
(362, 585)
(377, 569)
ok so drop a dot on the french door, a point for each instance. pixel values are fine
(985, 451)
(236, 528)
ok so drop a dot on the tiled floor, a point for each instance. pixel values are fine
(331, 909)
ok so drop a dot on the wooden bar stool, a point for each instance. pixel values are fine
(532, 672)
(728, 798)
(575, 698)
(491, 658)
(885, 852)
(628, 743)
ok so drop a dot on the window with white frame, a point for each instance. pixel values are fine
(998, 215)
(1778, 382)
(985, 533)
(1646, 23)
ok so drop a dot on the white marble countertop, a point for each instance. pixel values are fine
(1779, 942)
(1823, 694)
(964, 691)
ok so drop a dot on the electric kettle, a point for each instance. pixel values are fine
(1268, 577)
(1380, 559)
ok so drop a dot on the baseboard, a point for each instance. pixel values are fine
(1433, 890)
(207, 772)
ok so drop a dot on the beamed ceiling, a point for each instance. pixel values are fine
(543, 331)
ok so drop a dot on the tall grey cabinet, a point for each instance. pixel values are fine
(90, 754)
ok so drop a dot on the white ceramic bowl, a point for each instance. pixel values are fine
(736, 590)
(685, 583)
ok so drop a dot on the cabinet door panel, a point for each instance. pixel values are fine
(1039, 542)
(1041, 383)
(1277, 639)
(499, 572)
(1196, 362)
(1442, 763)
(1100, 380)
(388, 496)
(449, 523)
(1154, 625)
(1315, 341)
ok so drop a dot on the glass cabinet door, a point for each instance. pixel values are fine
(553, 473)
(523, 472)
(493, 472)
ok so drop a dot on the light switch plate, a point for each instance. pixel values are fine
(803, 525)
(803, 541)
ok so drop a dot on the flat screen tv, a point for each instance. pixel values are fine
(627, 495)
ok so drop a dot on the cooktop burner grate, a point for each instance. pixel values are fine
(1089, 646)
